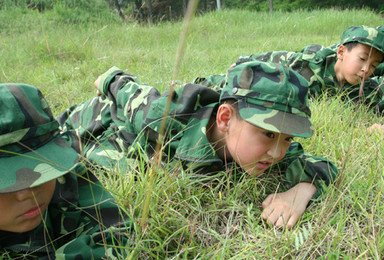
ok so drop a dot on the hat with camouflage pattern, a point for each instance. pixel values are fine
(270, 96)
(32, 151)
(366, 35)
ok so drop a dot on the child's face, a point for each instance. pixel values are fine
(255, 149)
(357, 64)
(21, 211)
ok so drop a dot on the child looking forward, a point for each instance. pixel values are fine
(250, 123)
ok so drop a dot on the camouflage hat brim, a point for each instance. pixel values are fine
(31, 169)
(276, 120)
(367, 35)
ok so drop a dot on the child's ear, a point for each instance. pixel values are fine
(340, 52)
(223, 117)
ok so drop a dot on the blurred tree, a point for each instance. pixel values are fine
(159, 10)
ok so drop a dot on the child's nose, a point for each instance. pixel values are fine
(25, 194)
(275, 151)
(365, 68)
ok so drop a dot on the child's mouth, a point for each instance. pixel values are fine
(263, 165)
(32, 212)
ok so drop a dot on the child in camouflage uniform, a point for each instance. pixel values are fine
(249, 123)
(50, 205)
(379, 71)
(343, 68)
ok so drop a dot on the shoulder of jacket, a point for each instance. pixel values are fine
(316, 53)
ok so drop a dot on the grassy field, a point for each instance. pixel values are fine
(201, 221)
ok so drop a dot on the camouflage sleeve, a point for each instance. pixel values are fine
(215, 82)
(93, 116)
(280, 57)
(380, 105)
(298, 166)
(113, 80)
(379, 71)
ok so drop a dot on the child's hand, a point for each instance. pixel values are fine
(375, 127)
(97, 82)
(285, 209)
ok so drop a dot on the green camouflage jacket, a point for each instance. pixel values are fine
(316, 64)
(119, 130)
(82, 221)
(379, 71)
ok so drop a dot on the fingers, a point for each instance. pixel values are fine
(267, 201)
(280, 219)
(278, 213)
(375, 127)
(292, 221)
(281, 222)
(97, 82)
(272, 217)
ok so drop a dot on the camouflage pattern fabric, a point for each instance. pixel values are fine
(367, 35)
(82, 220)
(316, 64)
(378, 75)
(29, 138)
(119, 130)
(270, 96)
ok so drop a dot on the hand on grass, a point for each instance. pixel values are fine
(286, 208)
(375, 127)
(97, 82)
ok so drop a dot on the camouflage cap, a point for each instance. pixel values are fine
(32, 151)
(366, 35)
(270, 96)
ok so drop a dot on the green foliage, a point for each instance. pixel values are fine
(83, 11)
(67, 11)
(291, 5)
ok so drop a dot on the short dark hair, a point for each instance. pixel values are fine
(351, 45)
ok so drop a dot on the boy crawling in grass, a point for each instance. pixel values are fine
(50, 205)
(342, 69)
(250, 122)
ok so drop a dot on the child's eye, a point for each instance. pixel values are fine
(270, 135)
(289, 139)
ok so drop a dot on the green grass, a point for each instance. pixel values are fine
(219, 218)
